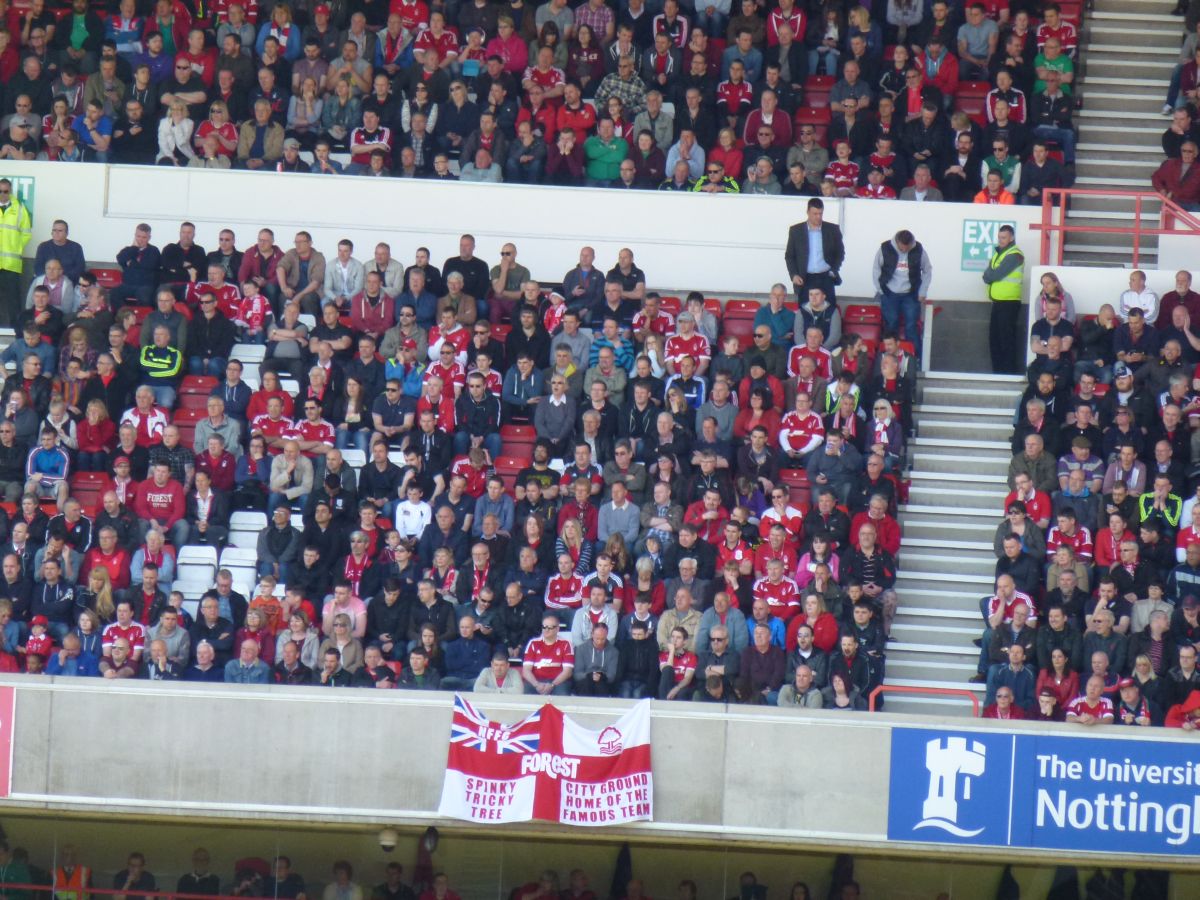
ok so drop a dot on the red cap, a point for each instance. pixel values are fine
(408, 344)
(1126, 682)
(321, 8)
(121, 459)
(39, 620)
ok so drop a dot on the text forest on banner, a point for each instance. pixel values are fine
(547, 766)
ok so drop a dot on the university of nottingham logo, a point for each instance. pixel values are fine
(951, 762)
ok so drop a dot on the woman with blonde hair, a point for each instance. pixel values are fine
(175, 136)
(97, 435)
(218, 125)
(97, 597)
(570, 541)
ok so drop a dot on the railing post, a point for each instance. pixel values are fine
(927, 313)
(1137, 228)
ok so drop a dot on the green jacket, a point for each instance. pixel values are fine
(604, 159)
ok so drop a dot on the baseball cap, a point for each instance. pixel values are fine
(408, 344)
(39, 620)
(554, 294)
(1126, 682)
(291, 144)
(1120, 370)
(321, 8)
(121, 459)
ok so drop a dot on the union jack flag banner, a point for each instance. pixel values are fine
(548, 766)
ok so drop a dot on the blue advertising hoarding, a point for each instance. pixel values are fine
(1044, 791)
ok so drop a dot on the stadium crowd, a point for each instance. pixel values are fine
(1096, 614)
(1178, 177)
(955, 101)
(280, 878)
(605, 497)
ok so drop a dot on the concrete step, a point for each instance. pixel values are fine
(956, 481)
(964, 396)
(958, 563)
(955, 429)
(925, 528)
(951, 605)
(930, 664)
(959, 684)
(953, 516)
(939, 445)
(1152, 67)
(944, 495)
(958, 590)
(1149, 152)
(1106, 242)
(1163, 19)
(966, 465)
(1093, 182)
(1099, 53)
(977, 379)
(924, 706)
(1145, 101)
(967, 544)
(978, 413)
(933, 630)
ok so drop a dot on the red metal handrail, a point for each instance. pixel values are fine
(930, 691)
(1057, 200)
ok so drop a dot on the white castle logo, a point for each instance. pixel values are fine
(947, 761)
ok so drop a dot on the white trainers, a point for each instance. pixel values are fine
(1168, 109)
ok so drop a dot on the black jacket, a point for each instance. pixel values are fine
(211, 338)
(516, 625)
(796, 254)
(476, 419)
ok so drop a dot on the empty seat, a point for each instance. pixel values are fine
(248, 520)
(238, 557)
(817, 89)
(354, 458)
(201, 554)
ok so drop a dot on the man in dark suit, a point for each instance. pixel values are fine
(807, 269)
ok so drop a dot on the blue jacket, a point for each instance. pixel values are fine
(84, 665)
(467, 658)
(51, 464)
(518, 390)
(236, 673)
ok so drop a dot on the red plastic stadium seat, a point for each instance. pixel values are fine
(863, 320)
(509, 467)
(972, 99)
(813, 115)
(861, 312)
(1101, 390)
(740, 327)
(518, 440)
(198, 384)
(98, 481)
(670, 304)
(187, 431)
(792, 305)
(186, 416)
(193, 402)
(108, 278)
(741, 309)
(817, 89)
(500, 332)
(713, 305)
(908, 347)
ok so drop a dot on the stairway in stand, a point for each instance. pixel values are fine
(1129, 51)
(959, 466)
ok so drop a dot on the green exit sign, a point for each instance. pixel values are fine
(979, 238)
